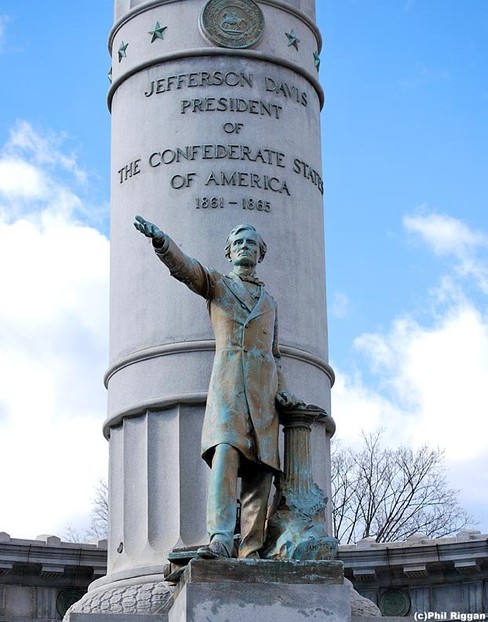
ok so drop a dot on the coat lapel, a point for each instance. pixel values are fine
(239, 292)
(262, 306)
(255, 308)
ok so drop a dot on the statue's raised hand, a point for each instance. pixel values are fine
(148, 228)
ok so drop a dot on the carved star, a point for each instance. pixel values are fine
(109, 75)
(158, 32)
(123, 50)
(316, 60)
(292, 39)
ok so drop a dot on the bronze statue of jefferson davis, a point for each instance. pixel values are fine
(240, 430)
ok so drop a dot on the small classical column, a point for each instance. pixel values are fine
(297, 425)
(297, 524)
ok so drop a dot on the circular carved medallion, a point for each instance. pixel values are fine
(394, 603)
(232, 23)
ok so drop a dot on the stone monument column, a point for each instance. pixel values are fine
(215, 122)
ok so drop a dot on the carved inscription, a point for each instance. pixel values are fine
(267, 170)
(259, 206)
(248, 203)
(129, 170)
(232, 79)
(218, 152)
(209, 202)
(200, 79)
(182, 181)
(286, 90)
(190, 153)
(243, 153)
(304, 169)
(247, 180)
(231, 104)
(233, 128)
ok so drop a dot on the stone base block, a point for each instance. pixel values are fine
(231, 591)
(262, 590)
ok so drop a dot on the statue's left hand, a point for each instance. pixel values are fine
(286, 401)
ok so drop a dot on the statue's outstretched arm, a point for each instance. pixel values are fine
(182, 267)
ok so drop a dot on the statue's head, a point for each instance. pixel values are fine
(244, 235)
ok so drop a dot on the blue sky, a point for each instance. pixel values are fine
(405, 129)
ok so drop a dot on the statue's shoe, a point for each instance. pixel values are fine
(214, 550)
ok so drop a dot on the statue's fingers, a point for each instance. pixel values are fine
(281, 399)
(143, 229)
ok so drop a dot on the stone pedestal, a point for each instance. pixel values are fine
(267, 591)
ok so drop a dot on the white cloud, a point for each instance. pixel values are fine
(430, 379)
(448, 236)
(21, 180)
(445, 234)
(339, 305)
(357, 408)
(53, 342)
(437, 376)
(45, 149)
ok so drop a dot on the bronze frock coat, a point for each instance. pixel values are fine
(246, 373)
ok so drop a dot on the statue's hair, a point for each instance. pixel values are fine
(262, 246)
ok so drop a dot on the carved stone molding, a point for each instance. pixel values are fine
(133, 596)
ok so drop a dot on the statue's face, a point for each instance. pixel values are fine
(244, 249)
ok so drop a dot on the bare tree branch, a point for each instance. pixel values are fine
(392, 494)
(98, 527)
(99, 513)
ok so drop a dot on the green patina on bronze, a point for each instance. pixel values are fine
(232, 23)
(241, 426)
(296, 527)
(293, 40)
(157, 32)
(316, 60)
(394, 603)
(240, 431)
(122, 52)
